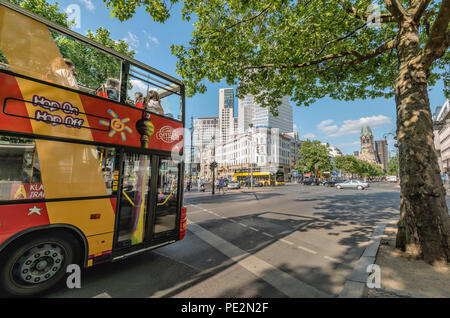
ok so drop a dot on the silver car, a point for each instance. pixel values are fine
(352, 184)
(234, 185)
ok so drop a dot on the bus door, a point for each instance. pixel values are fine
(168, 205)
(134, 205)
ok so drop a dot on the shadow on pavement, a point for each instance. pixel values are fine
(154, 274)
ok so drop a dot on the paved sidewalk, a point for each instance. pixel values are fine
(356, 285)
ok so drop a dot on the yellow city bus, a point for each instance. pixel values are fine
(265, 177)
(87, 175)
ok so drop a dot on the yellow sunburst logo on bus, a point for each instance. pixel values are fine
(117, 125)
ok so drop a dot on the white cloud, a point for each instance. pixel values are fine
(139, 85)
(326, 127)
(354, 126)
(325, 123)
(88, 4)
(151, 40)
(309, 136)
(132, 40)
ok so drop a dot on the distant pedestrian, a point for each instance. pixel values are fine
(221, 185)
(188, 186)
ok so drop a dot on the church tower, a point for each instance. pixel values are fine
(367, 149)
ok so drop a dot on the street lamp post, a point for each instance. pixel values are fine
(192, 150)
(213, 168)
(250, 134)
(398, 153)
(214, 165)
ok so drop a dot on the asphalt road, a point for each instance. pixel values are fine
(287, 241)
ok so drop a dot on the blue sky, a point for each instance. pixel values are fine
(338, 123)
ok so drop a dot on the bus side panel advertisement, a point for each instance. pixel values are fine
(164, 134)
(57, 112)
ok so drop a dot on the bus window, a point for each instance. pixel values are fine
(106, 157)
(4, 62)
(96, 72)
(20, 175)
(166, 207)
(142, 87)
(61, 60)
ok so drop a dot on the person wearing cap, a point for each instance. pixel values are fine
(110, 90)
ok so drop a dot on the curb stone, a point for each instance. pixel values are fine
(355, 286)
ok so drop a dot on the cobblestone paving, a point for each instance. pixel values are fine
(383, 293)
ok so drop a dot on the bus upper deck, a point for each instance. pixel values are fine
(37, 55)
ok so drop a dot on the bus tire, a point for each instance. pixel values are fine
(36, 264)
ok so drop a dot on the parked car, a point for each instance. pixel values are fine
(352, 184)
(234, 185)
(248, 183)
(391, 178)
(332, 183)
(308, 181)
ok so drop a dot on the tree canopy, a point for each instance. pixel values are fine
(312, 154)
(93, 67)
(303, 49)
(46, 10)
(392, 166)
(355, 166)
(347, 164)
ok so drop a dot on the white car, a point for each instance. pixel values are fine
(234, 185)
(352, 184)
(391, 178)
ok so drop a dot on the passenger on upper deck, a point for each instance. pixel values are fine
(110, 89)
(153, 102)
(63, 73)
(139, 100)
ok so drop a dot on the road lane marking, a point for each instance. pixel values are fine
(331, 259)
(287, 242)
(103, 295)
(306, 249)
(269, 235)
(284, 282)
(196, 212)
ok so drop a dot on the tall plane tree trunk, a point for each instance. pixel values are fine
(424, 225)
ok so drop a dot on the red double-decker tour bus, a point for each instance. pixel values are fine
(91, 147)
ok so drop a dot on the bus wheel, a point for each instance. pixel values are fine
(34, 266)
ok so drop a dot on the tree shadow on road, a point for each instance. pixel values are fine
(351, 216)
